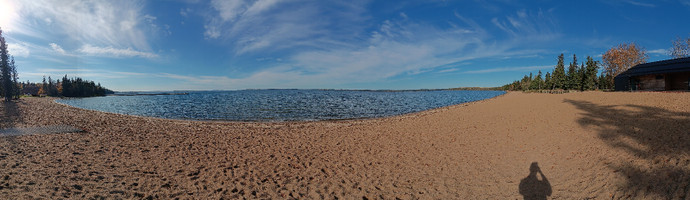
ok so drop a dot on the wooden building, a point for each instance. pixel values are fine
(671, 74)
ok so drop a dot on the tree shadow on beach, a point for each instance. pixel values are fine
(659, 140)
(10, 114)
(535, 186)
(10, 117)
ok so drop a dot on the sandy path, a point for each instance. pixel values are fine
(588, 145)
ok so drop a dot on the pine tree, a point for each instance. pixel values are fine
(547, 81)
(537, 82)
(50, 87)
(7, 88)
(525, 82)
(581, 77)
(589, 78)
(572, 82)
(605, 81)
(15, 85)
(44, 87)
(558, 76)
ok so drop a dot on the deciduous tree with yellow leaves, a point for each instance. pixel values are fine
(621, 58)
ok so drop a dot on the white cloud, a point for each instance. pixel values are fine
(527, 25)
(185, 12)
(105, 23)
(114, 52)
(399, 46)
(637, 3)
(259, 26)
(149, 18)
(508, 69)
(326, 50)
(229, 10)
(448, 70)
(658, 51)
(211, 32)
(57, 48)
(18, 50)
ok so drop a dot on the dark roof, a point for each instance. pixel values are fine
(659, 67)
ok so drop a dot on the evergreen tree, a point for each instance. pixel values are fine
(589, 76)
(15, 77)
(525, 82)
(605, 81)
(66, 87)
(537, 82)
(78, 87)
(49, 90)
(44, 87)
(572, 77)
(581, 77)
(547, 81)
(5, 72)
(558, 77)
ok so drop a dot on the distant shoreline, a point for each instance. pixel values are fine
(149, 94)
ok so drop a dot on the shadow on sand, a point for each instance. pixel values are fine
(658, 138)
(535, 187)
(10, 114)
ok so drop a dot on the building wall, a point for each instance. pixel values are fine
(656, 82)
(678, 81)
(651, 82)
(621, 83)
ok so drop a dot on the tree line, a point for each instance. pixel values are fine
(577, 77)
(615, 61)
(65, 87)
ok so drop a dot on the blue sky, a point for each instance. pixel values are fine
(225, 45)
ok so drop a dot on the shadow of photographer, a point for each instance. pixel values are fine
(533, 186)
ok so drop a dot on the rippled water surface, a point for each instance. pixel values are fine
(279, 105)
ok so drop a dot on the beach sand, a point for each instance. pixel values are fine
(586, 145)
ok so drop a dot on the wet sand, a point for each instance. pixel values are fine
(567, 146)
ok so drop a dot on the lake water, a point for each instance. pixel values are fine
(279, 105)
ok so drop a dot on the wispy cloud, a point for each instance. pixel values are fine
(185, 11)
(57, 48)
(212, 32)
(658, 51)
(508, 69)
(448, 70)
(637, 3)
(18, 49)
(114, 52)
(398, 46)
(259, 26)
(120, 24)
(539, 25)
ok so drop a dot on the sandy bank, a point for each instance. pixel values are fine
(587, 145)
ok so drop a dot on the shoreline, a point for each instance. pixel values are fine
(588, 145)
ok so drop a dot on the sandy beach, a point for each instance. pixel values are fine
(562, 146)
